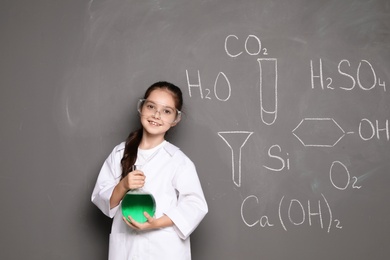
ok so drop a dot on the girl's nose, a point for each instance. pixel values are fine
(155, 115)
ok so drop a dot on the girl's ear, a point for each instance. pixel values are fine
(177, 120)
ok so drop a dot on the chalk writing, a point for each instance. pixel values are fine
(375, 129)
(263, 220)
(221, 81)
(348, 177)
(317, 132)
(285, 163)
(322, 132)
(294, 213)
(250, 38)
(317, 73)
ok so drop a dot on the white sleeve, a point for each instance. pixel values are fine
(108, 178)
(192, 206)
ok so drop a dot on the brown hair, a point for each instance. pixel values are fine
(134, 139)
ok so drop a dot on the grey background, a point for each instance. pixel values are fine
(71, 72)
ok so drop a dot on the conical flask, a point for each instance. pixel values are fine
(136, 202)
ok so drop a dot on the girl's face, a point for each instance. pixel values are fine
(158, 112)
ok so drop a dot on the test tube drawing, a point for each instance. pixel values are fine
(269, 84)
(236, 140)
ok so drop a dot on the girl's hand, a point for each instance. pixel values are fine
(151, 223)
(140, 226)
(134, 180)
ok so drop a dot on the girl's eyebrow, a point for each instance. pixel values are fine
(157, 103)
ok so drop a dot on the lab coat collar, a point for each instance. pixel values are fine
(168, 147)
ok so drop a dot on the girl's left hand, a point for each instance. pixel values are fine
(151, 223)
(140, 226)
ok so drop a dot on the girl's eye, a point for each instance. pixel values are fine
(150, 106)
(168, 111)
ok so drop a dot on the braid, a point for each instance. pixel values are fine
(130, 154)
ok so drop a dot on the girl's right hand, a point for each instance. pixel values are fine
(134, 180)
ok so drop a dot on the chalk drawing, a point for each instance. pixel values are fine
(319, 127)
(231, 137)
(268, 80)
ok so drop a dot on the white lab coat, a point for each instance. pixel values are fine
(172, 179)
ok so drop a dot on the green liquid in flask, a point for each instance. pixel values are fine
(135, 204)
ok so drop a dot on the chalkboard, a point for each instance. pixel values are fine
(286, 118)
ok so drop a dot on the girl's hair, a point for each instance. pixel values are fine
(134, 139)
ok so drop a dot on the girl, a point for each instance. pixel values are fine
(162, 170)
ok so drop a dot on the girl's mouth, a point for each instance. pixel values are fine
(154, 123)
